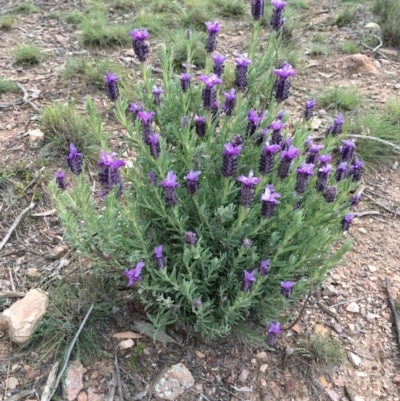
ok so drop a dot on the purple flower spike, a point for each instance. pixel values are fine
(277, 18)
(248, 280)
(154, 145)
(213, 28)
(286, 288)
(341, 171)
(313, 151)
(109, 175)
(111, 86)
(336, 127)
(264, 267)
(347, 150)
(185, 121)
(157, 95)
(304, 172)
(159, 257)
(60, 180)
(170, 184)
(267, 158)
(74, 160)
(282, 83)
(152, 178)
(276, 127)
(146, 118)
(273, 332)
(134, 109)
(218, 68)
(355, 199)
(230, 102)
(257, 9)
(323, 177)
(356, 169)
(133, 275)
(230, 154)
(190, 238)
(254, 121)
(269, 202)
(140, 46)
(280, 115)
(185, 81)
(209, 94)
(309, 110)
(330, 194)
(324, 159)
(197, 303)
(347, 221)
(285, 145)
(200, 124)
(246, 242)
(192, 181)
(242, 64)
(247, 191)
(287, 157)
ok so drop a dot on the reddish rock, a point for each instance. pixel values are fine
(74, 380)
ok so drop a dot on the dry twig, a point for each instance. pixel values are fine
(393, 309)
(20, 395)
(366, 213)
(348, 394)
(11, 294)
(119, 381)
(35, 179)
(301, 311)
(49, 383)
(380, 204)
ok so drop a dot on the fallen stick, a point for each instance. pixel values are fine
(374, 138)
(378, 204)
(301, 311)
(22, 394)
(69, 351)
(346, 302)
(393, 309)
(15, 224)
(366, 213)
(119, 381)
(46, 213)
(11, 294)
(26, 98)
(37, 176)
(49, 383)
(348, 394)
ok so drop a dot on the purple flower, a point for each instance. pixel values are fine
(230, 102)
(111, 86)
(355, 199)
(282, 83)
(109, 175)
(264, 267)
(242, 64)
(253, 121)
(192, 181)
(269, 202)
(200, 124)
(197, 303)
(185, 81)
(190, 238)
(257, 9)
(213, 28)
(267, 158)
(248, 280)
(247, 191)
(330, 194)
(209, 95)
(218, 68)
(185, 121)
(341, 171)
(347, 221)
(230, 154)
(336, 127)
(280, 115)
(287, 157)
(246, 242)
(347, 150)
(276, 127)
(272, 334)
(324, 159)
(285, 145)
(309, 110)
(146, 119)
(159, 257)
(323, 176)
(304, 172)
(60, 176)
(356, 169)
(154, 145)
(237, 140)
(277, 18)
(152, 178)
(313, 151)
(286, 288)
(74, 160)
(157, 95)
(140, 46)
(134, 108)
(133, 275)
(170, 184)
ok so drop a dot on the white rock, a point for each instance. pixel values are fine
(263, 368)
(172, 382)
(244, 375)
(355, 359)
(12, 383)
(74, 380)
(372, 26)
(353, 307)
(262, 356)
(25, 314)
(316, 123)
(36, 138)
(372, 268)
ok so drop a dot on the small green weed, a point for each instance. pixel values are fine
(165, 7)
(24, 8)
(370, 40)
(95, 72)
(196, 16)
(340, 98)
(7, 86)
(393, 109)
(137, 351)
(289, 54)
(345, 16)
(6, 22)
(231, 8)
(349, 47)
(154, 23)
(318, 49)
(318, 38)
(73, 17)
(123, 5)
(298, 4)
(28, 54)
(75, 66)
(388, 12)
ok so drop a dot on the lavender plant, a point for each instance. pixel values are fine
(210, 225)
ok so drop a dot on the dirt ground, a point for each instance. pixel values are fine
(351, 307)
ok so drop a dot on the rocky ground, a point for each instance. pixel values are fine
(351, 307)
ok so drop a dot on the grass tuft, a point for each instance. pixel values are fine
(7, 86)
(6, 22)
(349, 47)
(123, 5)
(73, 17)
(230, 8)
(318, 49)
(196, 16)
(340, 98)
(388, 12)
(345, 16)
(393, 109)
(28, 54)
(289, 54)
(154, 23)
(24, 8)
